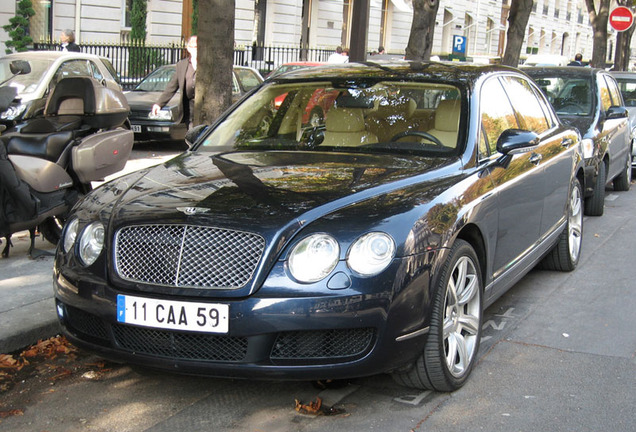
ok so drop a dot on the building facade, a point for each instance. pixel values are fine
(555, 26)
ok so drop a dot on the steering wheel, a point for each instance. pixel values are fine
(420, 134)
(570, 107)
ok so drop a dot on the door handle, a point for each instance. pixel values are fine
(567, 142)
(535, 158)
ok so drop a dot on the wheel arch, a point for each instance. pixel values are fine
(472, 235)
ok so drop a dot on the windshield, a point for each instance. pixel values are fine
(24, 83)
(157, 80)
(569, 96)
(323, 116)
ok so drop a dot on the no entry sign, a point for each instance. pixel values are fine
(621, 18)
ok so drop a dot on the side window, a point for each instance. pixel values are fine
(96, 73)
(236, 89)
(497, 114)
(248, 78)
(614, 91)
(606, 99)
(530, 114)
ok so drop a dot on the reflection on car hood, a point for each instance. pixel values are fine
(264, 189)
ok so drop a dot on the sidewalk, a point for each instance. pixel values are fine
(27, 310)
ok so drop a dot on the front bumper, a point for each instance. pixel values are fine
(306, 338)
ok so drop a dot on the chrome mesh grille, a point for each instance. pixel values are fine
(187, 256)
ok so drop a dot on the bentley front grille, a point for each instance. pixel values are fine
(187, 256)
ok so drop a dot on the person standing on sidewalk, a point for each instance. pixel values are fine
(183, 81)
(67, 37)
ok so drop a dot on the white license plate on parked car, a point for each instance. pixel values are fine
(174, 315)
(136, 128)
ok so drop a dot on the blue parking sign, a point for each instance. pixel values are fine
(459, 44)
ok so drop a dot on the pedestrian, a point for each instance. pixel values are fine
(67, 38)
(338, 56)
(381, 50)
(578, 60)
(183, 80)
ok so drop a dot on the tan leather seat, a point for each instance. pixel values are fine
(345, 127)
(392, 116)
(447, 122)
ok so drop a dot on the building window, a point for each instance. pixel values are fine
(347, 6)
(126, 12)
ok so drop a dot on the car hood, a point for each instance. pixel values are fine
(141, 100)
(263, 191)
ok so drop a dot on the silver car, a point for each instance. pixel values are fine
(47, 69)
(627, 85)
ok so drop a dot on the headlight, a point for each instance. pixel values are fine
(163, 114)
(371, 253)
(91, 243)
(314, 258)
(70, 235)
(13, 112)
(588, 148)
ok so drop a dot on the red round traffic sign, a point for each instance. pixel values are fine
(621, 18)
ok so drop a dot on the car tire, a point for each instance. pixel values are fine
(565, 254)
(450, 350)
(595, 205)
(623, 182)
(51, 229)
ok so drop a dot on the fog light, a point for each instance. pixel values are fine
(60, 311)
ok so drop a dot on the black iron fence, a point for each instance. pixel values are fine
(134, 61)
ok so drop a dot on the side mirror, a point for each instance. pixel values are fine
(616, 112)
(516, 141)
(193, 135)
(20, 67)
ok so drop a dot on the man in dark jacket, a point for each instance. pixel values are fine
(67, 37)
(184, 81)
(578, 60)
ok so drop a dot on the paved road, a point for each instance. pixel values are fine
(559, 354)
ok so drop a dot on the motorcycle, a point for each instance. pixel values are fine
(48, 163)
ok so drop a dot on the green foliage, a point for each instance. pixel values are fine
(138, 19)
(141, 61)
(18, 27)
(195, 16)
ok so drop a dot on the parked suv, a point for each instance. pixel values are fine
(590, 100)
(627, 86)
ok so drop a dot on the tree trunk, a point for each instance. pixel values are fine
(599, 19)
(518, 21)
(213, 93)
(420, 42)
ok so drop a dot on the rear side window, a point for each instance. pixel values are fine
(248, 78)
(606, 98)
(497, 114)
(530, 114)
(614, 91)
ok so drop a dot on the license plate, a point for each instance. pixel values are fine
(136, 128)
(173, 315)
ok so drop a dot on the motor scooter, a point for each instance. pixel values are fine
(48, 164)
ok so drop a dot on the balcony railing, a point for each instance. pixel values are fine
(134, 61)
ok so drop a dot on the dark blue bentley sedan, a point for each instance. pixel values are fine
(368, 242)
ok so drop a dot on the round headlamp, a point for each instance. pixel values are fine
(314, 258)
(70, 235)
(91, 243)
(371, 253)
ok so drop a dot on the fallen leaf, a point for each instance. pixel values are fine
(311, 408)
(11, 413)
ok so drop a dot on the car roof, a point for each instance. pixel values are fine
(409, 70)
(50, 55)
(562, 71)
